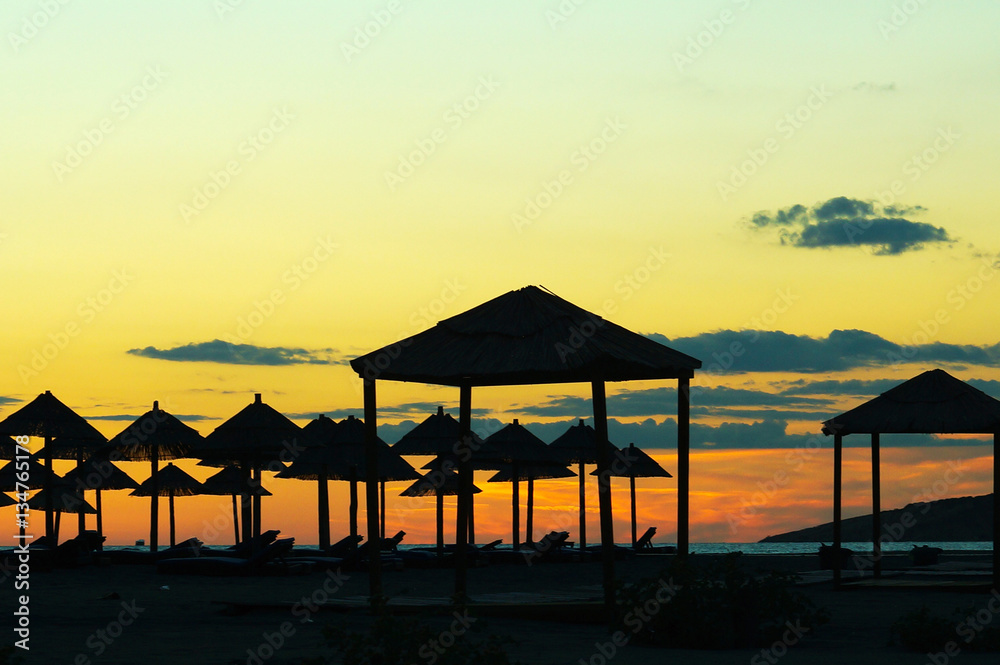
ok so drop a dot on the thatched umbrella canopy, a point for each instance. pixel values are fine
(47, 417)
(513, 447)
(231, 481)
(441, 435)
(256, 437)
(440, 481)
(578, 445)
(6, 501)
(530, 472)
(933, 402)
(632, 463)
(8, 447)
(37, 476)
(172, 481)
(64, 499)
(98, 473)
(530, 336)
(154, 436)
(337, 452)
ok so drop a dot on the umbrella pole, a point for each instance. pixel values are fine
(604, 495)
(154, 500)
(472, 520)
(531, 510)
(236, 523)
(515, 509)
(81, 518)
(371, 497)
(354, 508)
(100, 522)
(381, 509)
(50, 524)
(631, 485)
(173, 532)
(440, 522)
(583, 509)
(246, 507)
(55, 533)
(256, 501)
(324, 512)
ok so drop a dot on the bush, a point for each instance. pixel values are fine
(970, 629)
(716, 606)
(397, 641)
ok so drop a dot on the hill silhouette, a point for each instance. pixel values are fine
(961, 519)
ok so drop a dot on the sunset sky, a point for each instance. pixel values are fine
(207, 199)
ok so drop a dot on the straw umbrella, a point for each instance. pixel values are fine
(442, 436)
(256, 437)
(99, 473)
(6, 501)
(632, 463)
(15, 478)
(64, 499)
(531, 473)
(171, 481)
(578, 445)
(232, 481)
(47, 417)
(337, 452)
(8, 447)
(154, 436)
(441, 480)
(515, 446)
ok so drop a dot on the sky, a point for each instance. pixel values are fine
(209, 199)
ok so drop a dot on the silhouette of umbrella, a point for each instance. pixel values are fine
(47, 417)
(255, 437)
(65, 499)
(154, 436)
(172, 481)
(232, 481)
(337, 452)
(632, 463)
(516, 446)
(14, 476)
(531, 473)
(440, 481)
(8, 447)
(98, 473)
(578, 445)
(6, 501)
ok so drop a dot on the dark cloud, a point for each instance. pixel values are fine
(218, 351)
(734, 352)
(843, 222)
(8, 400)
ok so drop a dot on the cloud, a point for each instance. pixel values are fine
(734, 352)
(8, 400)
(218, 351)
(847, 222)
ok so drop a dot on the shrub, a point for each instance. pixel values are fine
(971, 629)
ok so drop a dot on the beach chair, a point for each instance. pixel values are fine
(270, 557)
(255, 544)
(391, 544)
(646, 541)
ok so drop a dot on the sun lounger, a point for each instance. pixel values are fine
(255, 544)
(269, 559)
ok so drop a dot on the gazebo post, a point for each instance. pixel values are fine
(604, 494)
(996, 511)
(324, 512)
(876, 508)
(464, 489)
(838, 458)
(371, 497)
(683, 463)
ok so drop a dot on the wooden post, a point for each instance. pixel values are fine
(256, 500)
(683, 463)
(631, 486)
(876, 509)
(531, 512)
(515, 508)
(464, 490)
(100, 521)
(236, 523)
(324, 511)
(173, 530)
(381, 508)
(81, 518)
(371, 498)
(604, 496)
(246, 505)
(154, 501)
(583, 508)
(838, 458)
(352, 511)
(439, 500)
(50, 525)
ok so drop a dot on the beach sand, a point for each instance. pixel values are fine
(183, 619)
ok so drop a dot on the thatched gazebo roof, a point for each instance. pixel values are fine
(528, 336)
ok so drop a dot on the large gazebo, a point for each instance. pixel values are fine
(528, 336)
(931, 403)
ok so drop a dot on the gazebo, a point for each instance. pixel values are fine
(527, 336)
(931, 403)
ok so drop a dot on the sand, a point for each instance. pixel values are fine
(151, 618)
